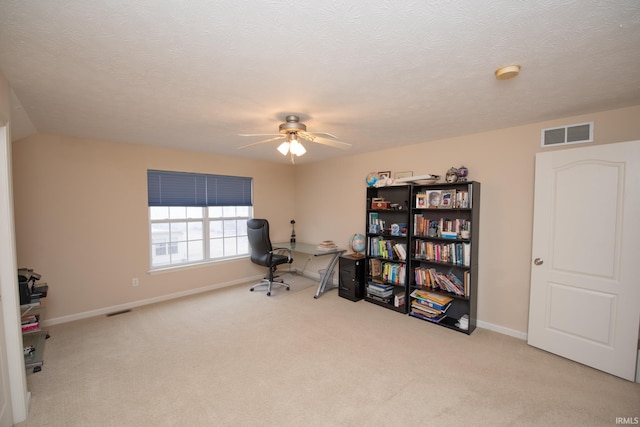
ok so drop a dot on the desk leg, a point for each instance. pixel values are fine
(322, 287)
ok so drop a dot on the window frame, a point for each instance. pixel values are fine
(217, 189)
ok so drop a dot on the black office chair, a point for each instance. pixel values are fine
(262, 253)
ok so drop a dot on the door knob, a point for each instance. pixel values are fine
(538, 261)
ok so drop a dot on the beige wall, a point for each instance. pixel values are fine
(82, 219)
(90, 245)
(331, 205)
(4, 100)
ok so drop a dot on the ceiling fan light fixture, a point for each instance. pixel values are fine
(284, 148)
(297, 148)
(290, 134)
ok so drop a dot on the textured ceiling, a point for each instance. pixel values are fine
(194, 74)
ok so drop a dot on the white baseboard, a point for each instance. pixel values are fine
(140, 303)
(501, 330)
(310, 274)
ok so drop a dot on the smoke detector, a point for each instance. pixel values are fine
(507, 72)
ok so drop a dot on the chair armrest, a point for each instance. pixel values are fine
(287, 250)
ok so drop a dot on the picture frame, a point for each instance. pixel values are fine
(384, 175)
(448, 199)
(404, 174)
(433, 198)
(421, 200)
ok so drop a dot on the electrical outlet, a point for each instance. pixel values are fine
(135, 281)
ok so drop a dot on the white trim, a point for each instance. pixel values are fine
(502, 330)
(208, 263)
(20, 396)
(140, 303)
(308, 274)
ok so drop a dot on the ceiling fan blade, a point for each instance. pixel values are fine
(258, 134)
(332, 143)
(330, 135)
(262, 142)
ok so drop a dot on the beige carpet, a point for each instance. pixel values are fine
(237, 358)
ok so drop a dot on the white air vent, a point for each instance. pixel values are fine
(573, 134)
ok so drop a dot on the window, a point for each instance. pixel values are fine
(195, 218)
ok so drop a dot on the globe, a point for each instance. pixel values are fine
(357, 243)
(372, 178)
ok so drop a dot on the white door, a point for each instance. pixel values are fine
(585, 273)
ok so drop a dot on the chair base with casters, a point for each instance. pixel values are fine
(270, 281)
(262, 253)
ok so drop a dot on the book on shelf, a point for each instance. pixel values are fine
(380, 289)
(466, 254)
(439, 299)
(425, 310)
(376, 225)
(442, 227)
(420, 315)
(430, 278)
(385, 248)
(465, 281)
(30, 326)
(398, 299)
(375, 267)
(456, 253)
(393, 273)
(426, 301)
(29, 318)
(385, 300)
(400, 249)
(30, 322)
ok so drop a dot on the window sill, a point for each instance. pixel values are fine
(173, 268)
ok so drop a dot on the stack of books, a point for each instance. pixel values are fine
(380, 291)
(327, 245)
(429, 306)
(30, 323)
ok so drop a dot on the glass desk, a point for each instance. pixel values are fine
(309, 249)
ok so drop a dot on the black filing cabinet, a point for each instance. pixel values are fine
(351, 277)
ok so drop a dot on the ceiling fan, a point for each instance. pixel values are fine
(291, 131)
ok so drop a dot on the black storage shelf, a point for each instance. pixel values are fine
(397, 261)
(443, 264)
(404, 211)
(32, 312)
(392, 224)
(388, 305)
(465, 210)
(441, 292)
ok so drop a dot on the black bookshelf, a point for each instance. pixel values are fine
(444, 254)
(387, 255)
